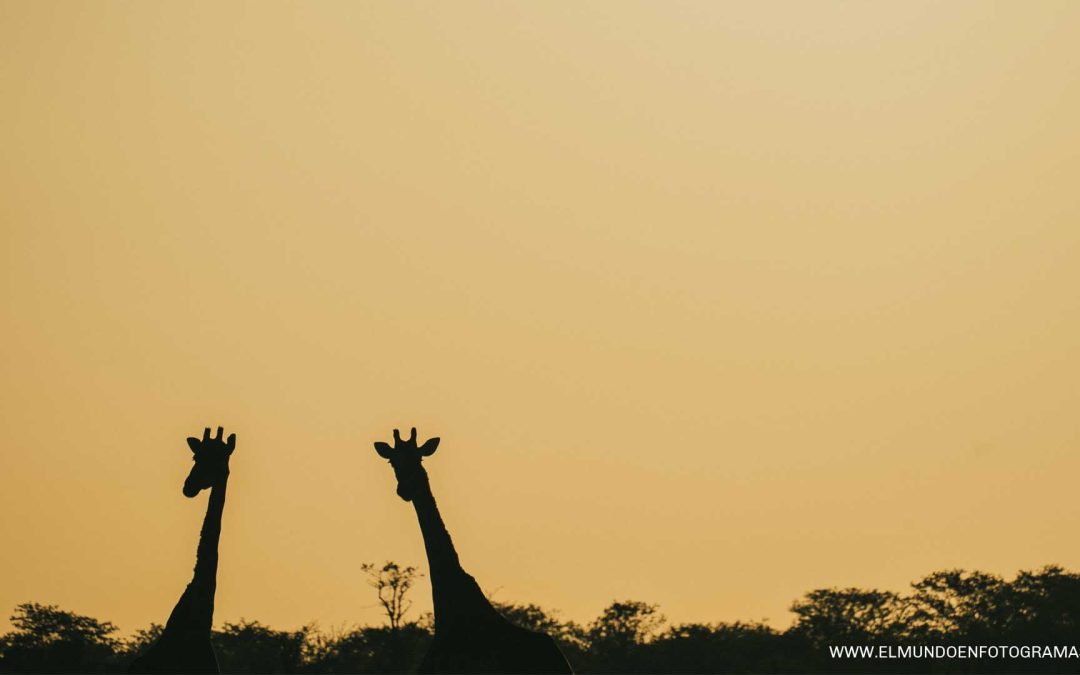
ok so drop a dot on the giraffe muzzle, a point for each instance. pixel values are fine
(192, 486)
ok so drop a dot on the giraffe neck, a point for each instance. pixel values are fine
(458, 601)
(193, 615)
(442, 557)
(206, 557)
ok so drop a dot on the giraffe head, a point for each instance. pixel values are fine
(405, 457)
(211, 457)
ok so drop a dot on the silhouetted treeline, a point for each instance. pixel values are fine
(949, 608)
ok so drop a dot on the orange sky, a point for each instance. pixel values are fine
(711, 304)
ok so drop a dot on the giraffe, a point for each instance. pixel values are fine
(184, 645)
(470, 635)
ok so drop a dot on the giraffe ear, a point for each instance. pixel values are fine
(193, 443)
(428, 448)
(383, 449)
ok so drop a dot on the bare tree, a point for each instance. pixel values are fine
(392, 582)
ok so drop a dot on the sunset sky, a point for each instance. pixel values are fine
(712, 304)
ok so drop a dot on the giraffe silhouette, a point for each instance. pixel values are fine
(184, 645)
(470, 635)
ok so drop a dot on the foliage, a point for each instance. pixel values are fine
(368, 650)
(950, 607)
(48, 639)
(250, 647)
(850, 616)
(724, 647)
(619, 637)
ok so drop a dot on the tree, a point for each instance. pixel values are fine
(724, 648)
(851, 615)
(626, 622)
(392, 582)
(250, 647)
(369, 649)
(946, 608)
(48, 639)
(1045, 605)
(956, 602)
(617, 636)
